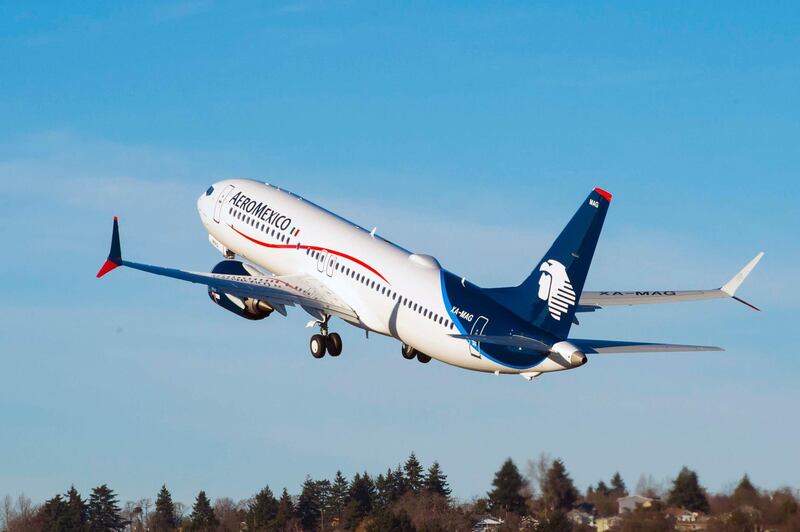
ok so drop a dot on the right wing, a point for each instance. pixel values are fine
(278, 291)
(591, 301)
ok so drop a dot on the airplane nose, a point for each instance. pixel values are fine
(201, 204)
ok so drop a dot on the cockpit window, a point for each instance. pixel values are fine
(210, 190)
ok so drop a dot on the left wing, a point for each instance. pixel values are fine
(279, 291)
(591, 301)
(614, 346)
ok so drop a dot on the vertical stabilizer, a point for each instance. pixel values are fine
(547, 298)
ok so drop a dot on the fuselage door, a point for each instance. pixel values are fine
(477, 329)
(323, 255)
(220, 201)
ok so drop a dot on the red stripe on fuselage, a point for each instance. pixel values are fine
(312, 248)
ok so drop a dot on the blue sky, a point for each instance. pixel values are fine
(468, 131)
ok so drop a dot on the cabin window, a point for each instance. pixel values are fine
(210, 190)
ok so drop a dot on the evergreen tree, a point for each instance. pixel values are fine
(164, 519)
(507, 492)
(203, 518)
(362, 497)
(381, 492)
(262, 510)
(555, 522)
(54, 515)
(308, 505)
(325, 500)
(285, 511)
(396, 483)
(436, 481)
(687, 493)
(386, 521)
(102, 513)
(602, 489)
(76, 510)
(745, 493)
(618, 485)
(339, 494)
(558, 490)
(413, 473)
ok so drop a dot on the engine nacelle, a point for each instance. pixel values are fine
(249, 308)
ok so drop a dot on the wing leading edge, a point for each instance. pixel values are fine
(591, 301)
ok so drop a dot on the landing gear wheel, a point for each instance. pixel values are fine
(317, 345)
(422, 357)
(333, 342)
(409, 352)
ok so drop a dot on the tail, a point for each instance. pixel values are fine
(548, 297)
(115, 254)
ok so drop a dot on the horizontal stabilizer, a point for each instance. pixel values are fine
(614, 346)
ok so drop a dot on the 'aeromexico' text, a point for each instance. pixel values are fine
(261, 211)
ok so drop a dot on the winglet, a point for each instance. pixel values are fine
(731, 286)
(115, 254)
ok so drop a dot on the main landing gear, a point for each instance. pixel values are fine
(325, 342)
(409, 353)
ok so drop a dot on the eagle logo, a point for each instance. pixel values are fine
(555, 288)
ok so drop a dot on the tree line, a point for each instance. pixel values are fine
(411, 498)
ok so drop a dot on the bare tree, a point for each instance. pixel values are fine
(180, 511)
(19, 516)
(8, 513)
(649, 487)
(145, 504)
(230, 515)
(536, 473)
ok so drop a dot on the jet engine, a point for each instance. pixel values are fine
(246, 307)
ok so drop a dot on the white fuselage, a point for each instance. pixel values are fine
(392, 291)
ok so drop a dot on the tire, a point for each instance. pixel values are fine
(422, 357)
(333, 343)
(409, 352)
(317, 346)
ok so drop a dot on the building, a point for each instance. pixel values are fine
(604, 524)
(580, 517)
(487, 524)
(632, 502)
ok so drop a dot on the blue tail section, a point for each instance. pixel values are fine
(548, 297)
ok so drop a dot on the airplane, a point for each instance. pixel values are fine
(297, 253)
